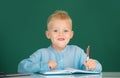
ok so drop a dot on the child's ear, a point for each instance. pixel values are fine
(72, 34)
(47, 34)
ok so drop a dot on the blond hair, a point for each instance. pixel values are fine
(60, 15)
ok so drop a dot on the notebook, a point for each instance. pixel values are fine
(69, 71)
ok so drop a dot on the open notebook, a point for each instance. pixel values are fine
(69, 71)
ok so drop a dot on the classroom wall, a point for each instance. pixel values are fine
(23, 24)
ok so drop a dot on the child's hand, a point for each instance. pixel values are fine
(90, 64)
(52, 64)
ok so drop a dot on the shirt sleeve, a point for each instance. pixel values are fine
(98, 67)
(33, 64)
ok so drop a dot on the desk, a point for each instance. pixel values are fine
(102, 75)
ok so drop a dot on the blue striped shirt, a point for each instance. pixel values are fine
(71, 57)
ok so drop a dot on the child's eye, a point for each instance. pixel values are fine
(55, 30)
(65, 30)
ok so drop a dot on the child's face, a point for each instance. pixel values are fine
(60, 32)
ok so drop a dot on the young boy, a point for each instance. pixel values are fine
(58, 55)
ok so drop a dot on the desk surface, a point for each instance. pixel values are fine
(102, 75)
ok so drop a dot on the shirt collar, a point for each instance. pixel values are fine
(54, 51)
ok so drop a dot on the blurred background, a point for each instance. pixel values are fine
(23, 25)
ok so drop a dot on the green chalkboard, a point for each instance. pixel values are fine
(23, 25)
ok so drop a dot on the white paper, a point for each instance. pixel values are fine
(69, 71)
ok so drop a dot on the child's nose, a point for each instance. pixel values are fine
(61, 33)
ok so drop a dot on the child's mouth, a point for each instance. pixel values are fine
(61, 39)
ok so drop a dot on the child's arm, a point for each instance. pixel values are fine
(34, 63)
(91, 64)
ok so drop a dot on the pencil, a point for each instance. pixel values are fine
(88, 52)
